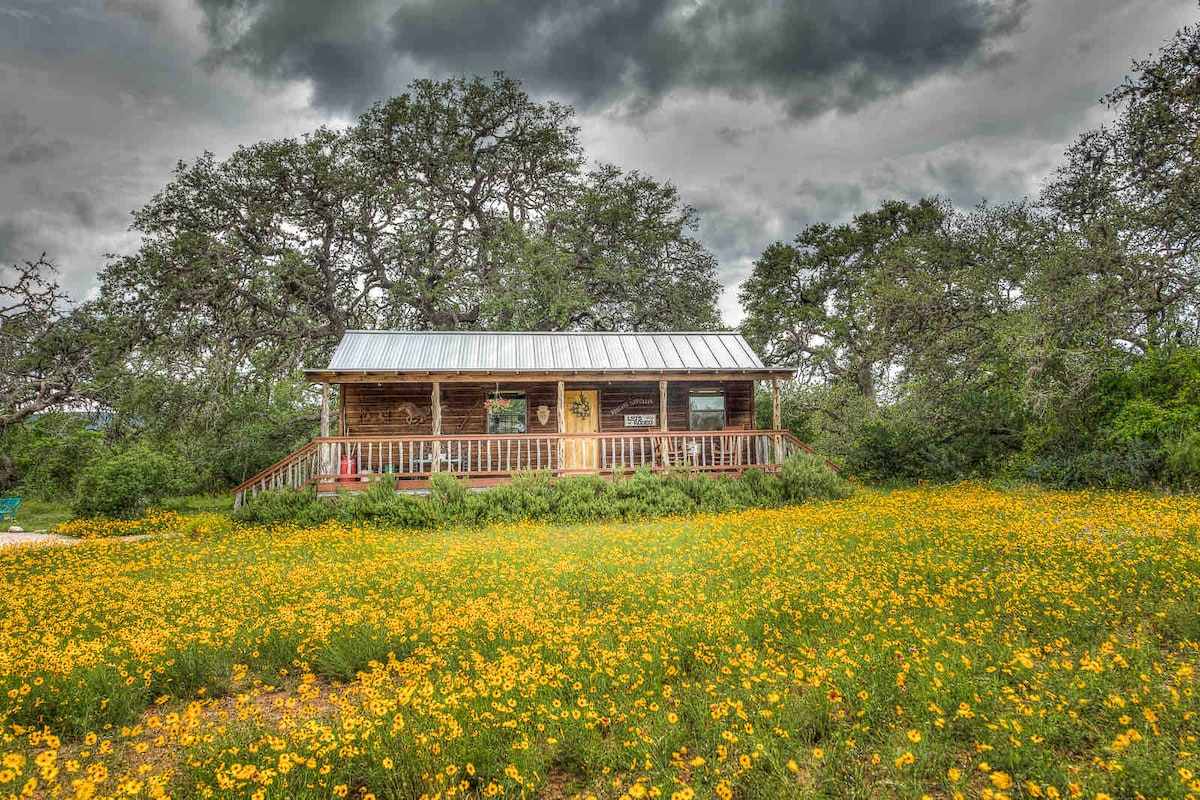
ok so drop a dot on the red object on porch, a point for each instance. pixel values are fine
(348, 467)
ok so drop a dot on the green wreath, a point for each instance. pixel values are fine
(581, 407)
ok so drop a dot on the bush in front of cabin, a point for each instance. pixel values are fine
(805, 477)
(539, 497)
(281, 505)
(891, 451)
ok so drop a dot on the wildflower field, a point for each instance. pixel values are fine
(935, 641)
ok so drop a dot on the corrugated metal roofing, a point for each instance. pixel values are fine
(439, 351)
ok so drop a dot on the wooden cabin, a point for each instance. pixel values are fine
(488, 405)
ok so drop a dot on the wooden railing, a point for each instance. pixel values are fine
(294, 472)
(344, 461)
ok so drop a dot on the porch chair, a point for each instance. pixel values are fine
(8, 508)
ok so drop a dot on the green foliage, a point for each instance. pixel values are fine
(46, 452)
(1054, 342)
(124, 485)
(901, 450)
(802, 478)
(228, 436)
(1183, 461)
(301, 507)
(797, 410)
(538, 496)
(1136, 428)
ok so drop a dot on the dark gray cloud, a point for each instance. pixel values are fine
(12, 243)
(810, 56)
(967, 183)
(151, 11)
(340, 47)
(80, 207)
(22, 144)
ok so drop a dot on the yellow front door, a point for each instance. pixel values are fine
(581, 454)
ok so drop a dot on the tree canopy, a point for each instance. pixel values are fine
(462, 204)
(932, 343)
(51, 353)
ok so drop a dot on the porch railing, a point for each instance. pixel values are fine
(343, 461)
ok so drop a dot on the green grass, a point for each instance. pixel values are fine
(199, 504)
(35, 515)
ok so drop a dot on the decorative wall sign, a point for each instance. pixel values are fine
(635, 402)
(543, 414)
(413, 414)
(641, 420)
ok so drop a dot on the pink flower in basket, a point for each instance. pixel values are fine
(497, 405)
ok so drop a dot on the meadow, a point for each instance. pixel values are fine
(939, 642)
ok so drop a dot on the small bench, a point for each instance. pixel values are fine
(8, 508)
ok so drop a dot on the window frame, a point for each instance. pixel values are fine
(492, 417)
(710, 412)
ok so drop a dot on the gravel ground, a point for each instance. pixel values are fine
(30, 537)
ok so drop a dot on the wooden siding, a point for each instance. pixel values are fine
(381, 409)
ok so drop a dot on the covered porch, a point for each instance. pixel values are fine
(489, 424)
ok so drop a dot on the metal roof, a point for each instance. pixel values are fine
(457, 351)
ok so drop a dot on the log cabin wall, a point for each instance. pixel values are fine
(383, 409)
(739, 403)
(405, 409)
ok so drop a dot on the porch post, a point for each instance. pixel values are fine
(324, 409)
(776, 419)
(662, 406)
(324, 465)
(562, 426)
(665, 447)
(437, 425)
(341, 409)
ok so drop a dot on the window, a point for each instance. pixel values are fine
(706, 409)
(512, 419)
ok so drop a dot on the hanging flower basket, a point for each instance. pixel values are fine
(581, 408)
(497, 405)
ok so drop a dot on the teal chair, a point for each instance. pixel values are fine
(8, 508)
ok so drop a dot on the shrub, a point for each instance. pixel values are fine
(805, 476)
(904, 451)
(1183, 461)
(281, 505)
(539, 497)
(124, 485)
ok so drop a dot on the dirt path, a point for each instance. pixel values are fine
(33, 537)
(41, 538)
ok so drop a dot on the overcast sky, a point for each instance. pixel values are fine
(767, 115)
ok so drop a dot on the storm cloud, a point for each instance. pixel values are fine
(768, 116)
(809, 56)
(22, 144)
